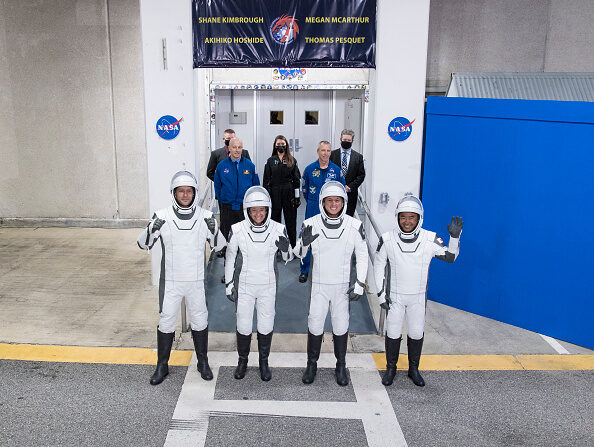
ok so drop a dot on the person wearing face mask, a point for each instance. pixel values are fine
(222, 153)
(282, 180)
(351, 166)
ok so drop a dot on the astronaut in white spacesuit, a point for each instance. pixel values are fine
(333, 237)
(183, 230)
(408, 249)
(250, 275)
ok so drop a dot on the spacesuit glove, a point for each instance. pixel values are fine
(156, 225)
(455, 228)
(355, 292)
(231, 293)
(296, 202)
(210, 223)
(306, 236)
(282, 244)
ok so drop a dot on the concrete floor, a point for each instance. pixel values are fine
(92, 287)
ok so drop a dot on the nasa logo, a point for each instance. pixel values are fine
(168, 127)
(284, 29)
(400, 128)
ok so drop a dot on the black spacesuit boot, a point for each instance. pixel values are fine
(340, 349)
(314, 345)
(201, 347)
(264, 342)
(164, 342)
(392, 352)
(414, 356)
(243, 350)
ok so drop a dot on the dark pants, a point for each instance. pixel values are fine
(282, 201)
(229, 217)
(352, 202)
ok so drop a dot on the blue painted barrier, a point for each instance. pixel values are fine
(521, 174)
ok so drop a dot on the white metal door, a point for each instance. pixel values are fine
(303, 117)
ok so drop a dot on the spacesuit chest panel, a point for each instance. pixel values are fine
(184, 242)
(332, 252)
(258, 252)
(409, 264)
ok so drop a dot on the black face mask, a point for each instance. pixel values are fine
(280, 149)
(346, 144)
(227, 142)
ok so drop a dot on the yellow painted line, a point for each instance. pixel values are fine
(493, 362)
(557, 362)
(79, 354)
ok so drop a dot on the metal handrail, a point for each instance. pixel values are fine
(382, 316)
(184, 314)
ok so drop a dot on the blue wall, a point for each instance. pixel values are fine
(521, 174)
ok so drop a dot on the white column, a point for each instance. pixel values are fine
(398, 90)
(168, 90)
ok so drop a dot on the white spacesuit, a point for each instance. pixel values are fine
(403, 289)
(250, 276)
(183, 232)
(333, 238)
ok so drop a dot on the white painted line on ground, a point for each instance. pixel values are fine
(555, 344)
(196, 401)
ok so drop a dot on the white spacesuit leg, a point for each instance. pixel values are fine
(171, 302)
(395, 317)
(245, 310)
(339, 308)
(415, 316)
(265, 308)
(196, 302)
(318, 309)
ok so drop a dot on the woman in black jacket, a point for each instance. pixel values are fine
(282, 179)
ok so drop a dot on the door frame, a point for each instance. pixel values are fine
(255, 87)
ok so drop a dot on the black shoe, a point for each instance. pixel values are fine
(340, 348)
(314, 345)
(243, 350)
(201, 346)
(392, 352)
(264, 342)
(303, 277)
(414, 356)
(164, 342)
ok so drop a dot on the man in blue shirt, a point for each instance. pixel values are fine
(233, 177)
(315, 175)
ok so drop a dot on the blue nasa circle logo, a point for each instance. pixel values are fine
(400, 128)
(168, 127)
(284, 29)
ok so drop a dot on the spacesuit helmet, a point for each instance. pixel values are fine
(257, 196)
(409, 204)
(184, 178)
(332, 189)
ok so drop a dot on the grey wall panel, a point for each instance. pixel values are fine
(485, 35)
(128, 103)
(58, 75)
(570, 42)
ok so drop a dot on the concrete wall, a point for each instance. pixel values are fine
(71, 110)
(508, 35)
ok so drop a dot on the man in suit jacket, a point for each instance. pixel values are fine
(351, 165)
(220, 154)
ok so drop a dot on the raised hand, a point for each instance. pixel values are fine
(455, 228)
(282, 244)
(211, 224)
(157, 224)
(307, 237)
